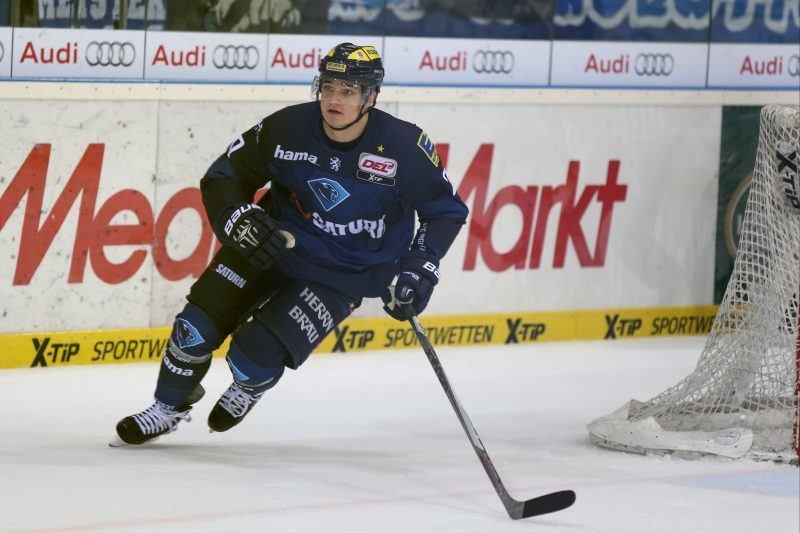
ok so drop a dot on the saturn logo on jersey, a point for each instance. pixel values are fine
(329, 192)
(375, 228)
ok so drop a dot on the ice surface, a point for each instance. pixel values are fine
(368, 442)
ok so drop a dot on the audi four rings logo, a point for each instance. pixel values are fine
(493, 62)
(654, 64)
(236, 56)
(793, 68)
(110, 54)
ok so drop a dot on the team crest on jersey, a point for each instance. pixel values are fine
(186, 334)
(335, 164)
(329, 193)
(428, 148)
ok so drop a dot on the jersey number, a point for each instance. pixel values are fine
(447, 179)
(235, 145)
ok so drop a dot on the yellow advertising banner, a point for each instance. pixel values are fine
(62, 348)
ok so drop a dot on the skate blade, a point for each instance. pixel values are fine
(119, 443)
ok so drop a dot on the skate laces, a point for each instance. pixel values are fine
(237, 400)
(159, 417)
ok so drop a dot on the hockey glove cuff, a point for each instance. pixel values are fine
(254, 234)
(419, 274)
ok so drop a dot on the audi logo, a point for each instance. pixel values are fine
(236, 56)
(654, 64)
(793, 67)
(110, 54)
(493, 62)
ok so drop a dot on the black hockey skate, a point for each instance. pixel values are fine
(232, 406)
(158, 419)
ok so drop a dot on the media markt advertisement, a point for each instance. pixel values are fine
(102, 211)
(87, 54)
(295, 58)
(237, 57)
(740, 126)
(5, 52)
(628, 64)
(433, 61)
(577, 215)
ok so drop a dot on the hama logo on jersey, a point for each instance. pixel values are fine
(375, 164)
(187, 335)
(428, 148)
(289, 155)
(329, 192)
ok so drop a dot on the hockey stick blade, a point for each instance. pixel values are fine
(549, 503)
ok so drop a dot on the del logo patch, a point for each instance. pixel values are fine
(328, 192)
(426, 145)
(375, 164)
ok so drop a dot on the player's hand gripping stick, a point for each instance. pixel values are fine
(419, 274)
(255, 235)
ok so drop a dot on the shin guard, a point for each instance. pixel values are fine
(187, 357)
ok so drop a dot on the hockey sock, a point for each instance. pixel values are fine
(187, 357)
(253, 377)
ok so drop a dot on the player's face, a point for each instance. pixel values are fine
(340, 101)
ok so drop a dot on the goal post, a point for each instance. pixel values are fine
(743, 397)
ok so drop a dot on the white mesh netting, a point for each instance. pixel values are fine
(746, 380)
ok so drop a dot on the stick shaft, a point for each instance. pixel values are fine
(466, 423)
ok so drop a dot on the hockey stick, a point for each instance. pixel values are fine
(548, 503)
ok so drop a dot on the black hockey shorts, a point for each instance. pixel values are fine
(300, 313)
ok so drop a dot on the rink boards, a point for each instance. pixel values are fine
(49, 349)
(584, 206)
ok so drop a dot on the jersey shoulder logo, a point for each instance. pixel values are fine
(329, 192)
(428, 148)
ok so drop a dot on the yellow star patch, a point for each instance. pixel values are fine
(380, 148)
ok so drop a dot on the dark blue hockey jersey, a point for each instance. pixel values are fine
(351, 211)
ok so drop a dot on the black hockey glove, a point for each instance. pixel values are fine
(254, 234)
(419, 274)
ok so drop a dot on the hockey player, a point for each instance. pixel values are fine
(336, 226)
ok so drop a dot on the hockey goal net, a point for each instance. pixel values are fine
(743, 396)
